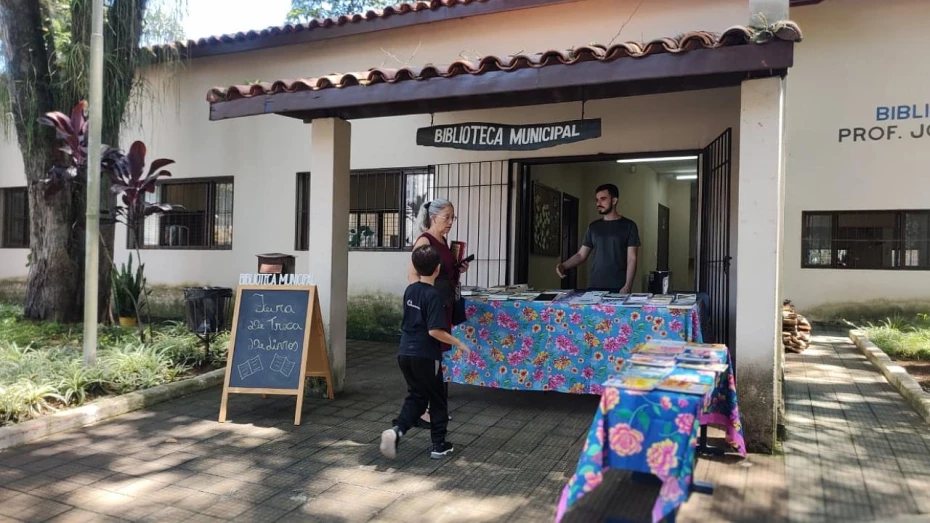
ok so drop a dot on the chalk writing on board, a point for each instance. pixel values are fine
(262, 308)
(283, 365)
(250, 367)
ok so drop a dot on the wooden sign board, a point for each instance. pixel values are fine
(477, 136)
(277, 341)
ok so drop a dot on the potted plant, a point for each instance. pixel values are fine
(128, 292)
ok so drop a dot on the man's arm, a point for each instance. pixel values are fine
(631, 255)
(574, 261)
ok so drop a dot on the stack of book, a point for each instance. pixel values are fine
(687, 383)
(656, 355)
(637, 377)
(683, 301)
(636, 299)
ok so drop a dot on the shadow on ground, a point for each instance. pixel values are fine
(514, 453)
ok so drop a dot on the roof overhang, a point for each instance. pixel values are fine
(588, 80)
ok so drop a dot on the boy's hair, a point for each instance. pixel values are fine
(610, 188)
(425, 260)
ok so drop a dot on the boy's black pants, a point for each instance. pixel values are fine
(424, 387)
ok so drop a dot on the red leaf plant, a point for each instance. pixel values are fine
(130, 179)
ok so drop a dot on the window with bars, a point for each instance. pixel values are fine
(15, 218)
(383, 205)
(204, 221)
(872, 240)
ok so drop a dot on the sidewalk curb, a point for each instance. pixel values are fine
(29, 431)
(899, 378)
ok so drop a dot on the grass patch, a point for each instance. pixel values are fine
(862, 313)
(902, 338)
(374, 317)
(42, 370)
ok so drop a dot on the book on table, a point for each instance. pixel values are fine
(703, 366)
(687, 383)
(458, 250)
(702, 354)
(637, 299)
(660, 300)
(653, 360)
(636, 377)
(683, 301)
(668, 349)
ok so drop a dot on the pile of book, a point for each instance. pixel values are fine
(688, 368)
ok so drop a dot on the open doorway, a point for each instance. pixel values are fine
(657, 194)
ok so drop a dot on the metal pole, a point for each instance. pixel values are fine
(92, 238)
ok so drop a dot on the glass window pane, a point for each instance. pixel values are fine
(223, 216)
(817, 241)
(868, 239)
(917, 239)
(419, 190)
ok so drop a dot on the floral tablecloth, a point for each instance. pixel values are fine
(651, 432)
(557, 346)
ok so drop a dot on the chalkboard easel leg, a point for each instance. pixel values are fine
(300, 406)
(223, 407)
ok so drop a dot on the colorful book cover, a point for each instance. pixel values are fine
(701, 354)
(701, 366)
(458, 250)
(653, 360)
(632, 382)
(659, 349)
(683, 384)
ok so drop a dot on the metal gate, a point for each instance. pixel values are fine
(480, 192)
(714, 273)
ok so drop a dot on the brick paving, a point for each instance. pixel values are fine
(855, 449)
(514, 453)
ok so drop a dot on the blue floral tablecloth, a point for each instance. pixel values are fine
(557, 346)
(652, 432)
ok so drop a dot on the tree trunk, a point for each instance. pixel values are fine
(54, 290)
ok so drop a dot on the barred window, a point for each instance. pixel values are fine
(383, 205)
(205, 220)
(868, 240)
(15, 218)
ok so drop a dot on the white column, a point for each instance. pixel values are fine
(328, 254)
(759, 231)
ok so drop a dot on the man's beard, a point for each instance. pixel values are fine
(603, 211)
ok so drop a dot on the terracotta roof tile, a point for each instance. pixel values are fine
(374, 14)
(737, 35)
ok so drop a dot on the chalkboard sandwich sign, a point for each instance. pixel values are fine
(276, 342)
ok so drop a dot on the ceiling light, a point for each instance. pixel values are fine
(657, 159)
(686, 177)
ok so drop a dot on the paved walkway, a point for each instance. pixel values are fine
(855, 449)
(514, 453)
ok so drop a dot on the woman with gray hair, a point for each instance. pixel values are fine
(435, 220)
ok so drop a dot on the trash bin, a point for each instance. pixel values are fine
(659, 282)
(207, 309)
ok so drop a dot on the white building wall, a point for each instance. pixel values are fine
(264, 153)
(856, 55)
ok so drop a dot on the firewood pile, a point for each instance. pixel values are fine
(795, 329)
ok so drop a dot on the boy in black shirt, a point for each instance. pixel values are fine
(420, 357)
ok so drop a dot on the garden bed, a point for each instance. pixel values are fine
(907, 342)
(42, 370)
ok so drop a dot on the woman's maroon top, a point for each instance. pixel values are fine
(448, 278)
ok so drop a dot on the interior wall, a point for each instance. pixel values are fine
(680, 240)
(569, 179)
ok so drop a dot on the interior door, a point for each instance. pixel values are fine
(570, 206)
(662, 247)
(714, 255)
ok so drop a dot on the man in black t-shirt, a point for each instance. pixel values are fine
(423, 328)
(615, 243)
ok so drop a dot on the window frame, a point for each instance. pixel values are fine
(400, 212)
(211, 209)
(5, 221)
(898, 241)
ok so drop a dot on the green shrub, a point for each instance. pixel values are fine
(903, 338)
(42, 370)
(374, 317)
